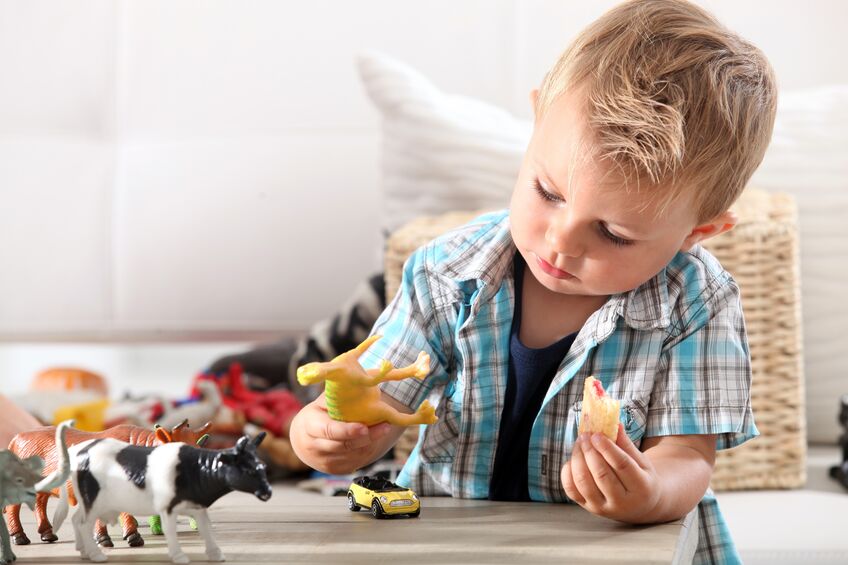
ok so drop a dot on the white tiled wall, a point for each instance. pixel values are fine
(186, 166)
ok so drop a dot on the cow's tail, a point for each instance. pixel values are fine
(62, 507)
(63, 467)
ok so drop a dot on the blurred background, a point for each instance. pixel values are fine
(181, 179)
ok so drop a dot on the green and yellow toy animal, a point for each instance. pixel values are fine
(352, 394)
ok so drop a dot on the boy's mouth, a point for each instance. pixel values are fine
(553, 271)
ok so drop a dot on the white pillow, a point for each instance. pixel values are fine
(441, 152)
(444, 152)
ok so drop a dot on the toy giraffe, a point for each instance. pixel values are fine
(351, 391)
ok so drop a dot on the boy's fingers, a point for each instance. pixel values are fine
(328, 447)
(605, 476)
(583, 479)
(339, 437)
(325, 428)
(568, 485)
(619, 461)
(622, 440)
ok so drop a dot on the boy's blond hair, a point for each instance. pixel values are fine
(673, 98)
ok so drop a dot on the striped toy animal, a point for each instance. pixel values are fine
(110, 477)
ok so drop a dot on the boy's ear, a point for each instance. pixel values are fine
(534, 95)
(712, 228)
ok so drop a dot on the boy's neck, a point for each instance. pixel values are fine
(547, 316)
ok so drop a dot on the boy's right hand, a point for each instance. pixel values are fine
(336, 447)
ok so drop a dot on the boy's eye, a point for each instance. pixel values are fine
(611, 237)
(544, 194)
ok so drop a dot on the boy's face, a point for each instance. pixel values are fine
(579, 229)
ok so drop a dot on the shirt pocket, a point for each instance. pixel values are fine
(634, 417)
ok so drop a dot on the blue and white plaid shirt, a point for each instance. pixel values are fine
(674, 350)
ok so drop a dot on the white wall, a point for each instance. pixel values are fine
(174, 167)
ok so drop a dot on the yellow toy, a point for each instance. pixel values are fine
(351, 391)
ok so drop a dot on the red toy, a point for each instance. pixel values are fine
(272, 410)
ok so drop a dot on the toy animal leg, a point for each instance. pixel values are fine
(169, 527)
(101, 535)
(386, 372)
(6, 554)
(16, 530)
(83, 525)
(129, 526)
(204, 526)
(45, 528)
(426, 414)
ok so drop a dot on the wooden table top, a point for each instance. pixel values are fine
(298, 526)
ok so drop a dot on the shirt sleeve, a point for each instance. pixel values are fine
(704, 380)
(411, 324)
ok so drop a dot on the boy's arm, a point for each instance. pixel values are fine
(685, 466)
(618, 481)
(338, 447)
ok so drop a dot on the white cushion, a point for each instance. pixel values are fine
(444, 152)
(441, 152)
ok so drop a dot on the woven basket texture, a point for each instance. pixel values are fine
(761, 253)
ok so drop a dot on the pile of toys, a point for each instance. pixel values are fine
(223, 400)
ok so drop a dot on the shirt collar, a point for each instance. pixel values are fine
(486, 255)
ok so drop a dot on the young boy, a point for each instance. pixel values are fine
(646, 131)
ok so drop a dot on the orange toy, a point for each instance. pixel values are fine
(69, 378)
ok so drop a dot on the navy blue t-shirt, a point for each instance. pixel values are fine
(530, 374)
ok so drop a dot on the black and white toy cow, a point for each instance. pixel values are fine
(110, 477)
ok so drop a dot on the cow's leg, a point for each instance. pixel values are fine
(76, 520)
(45, 528)
(16, 530)
(129, 525)
(169, 528)
(6, 553)
(101, 534)
(83, 525)
(204, 526)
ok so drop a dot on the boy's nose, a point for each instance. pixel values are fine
(564, 237)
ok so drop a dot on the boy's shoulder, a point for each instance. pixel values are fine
(472, 250)
(698, 286)
(692, 285)
(697, 267)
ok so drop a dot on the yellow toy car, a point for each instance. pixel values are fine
(382, 497)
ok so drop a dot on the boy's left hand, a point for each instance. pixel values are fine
(614, 480)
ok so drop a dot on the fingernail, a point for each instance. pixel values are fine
(587, 444)
(363, 431)
(596, 439)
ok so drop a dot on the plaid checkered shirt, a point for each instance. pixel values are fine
(673, 350)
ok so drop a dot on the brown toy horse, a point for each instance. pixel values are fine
(41, 442)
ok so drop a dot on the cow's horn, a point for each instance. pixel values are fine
(258, 439)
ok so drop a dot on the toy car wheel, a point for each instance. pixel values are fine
(415, 514)
(376, 511)
(351, 503)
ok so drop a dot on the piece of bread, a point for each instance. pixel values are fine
(600, 412)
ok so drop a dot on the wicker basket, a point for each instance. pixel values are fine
(762, 255)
